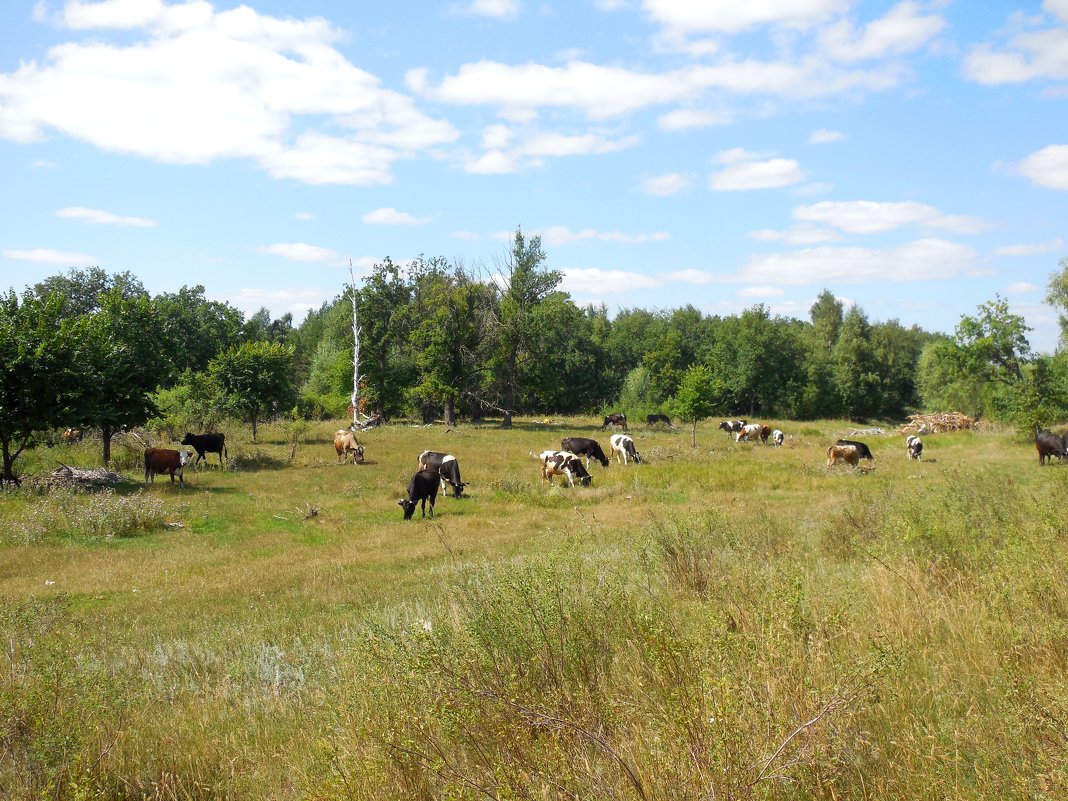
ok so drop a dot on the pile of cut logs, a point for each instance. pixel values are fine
(938, 422)
(67, 476)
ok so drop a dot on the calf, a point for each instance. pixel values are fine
(423, 486)
(653, 419)
(747, 433)
(583, 446)
(863, 451)
(345, 443)
(615, 419)
(914, 446)
(448, 470)
(164, 460)
(564, 463)
(623, 447)
(777, 437)
(846, 453)
(732, 426)
(765, 432)
(1048, 445)
(207, 443)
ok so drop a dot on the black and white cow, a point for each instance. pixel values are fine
(584, 446)
(564, 463)
(732, 426)
(863, 451)
(777, 437)
(422, 487)
(615, 419)
(448, 470)
(914, 446)
(623, 448)
(205, 444)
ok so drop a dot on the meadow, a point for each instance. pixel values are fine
(729, 621)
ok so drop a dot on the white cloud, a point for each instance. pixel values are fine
(1047, 167)
(920, 260)
(698, 277)
(390, 216)
(685, 118)
(555, 144)
(823, 136)
(187, 84)
(591, 280)
(761, 292)
(745, 170)
(903, 29)
(663, 185)
(469, 236)
(49, 256)
(496, 9)
(560, 235)
(731, 16)
(294, 300)
(300, 251)
(493, 162)
(798, 235)
(304, 216)
(1030, 250)
(99, 217)
(1031, 54)
(1020, 287)
(867, 217)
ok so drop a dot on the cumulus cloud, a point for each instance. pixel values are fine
(1030, 250)
(684, 118)
(1047, 167)
(903, 29)
(1032, 52)
(868, 217)
(593, 281)
(823, 136)
(98, 217)
(798, 235)
(920, 260)
(300, 251)
(744, 170)
(1020, 287)
(560, 235)
(495, 9)
(187, 84)
(730, 16)
(664, 185)
(390, 216)
(50, 256)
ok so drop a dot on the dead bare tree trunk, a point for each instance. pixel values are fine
(355, 352)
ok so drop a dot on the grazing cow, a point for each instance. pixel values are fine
(584, 446)
(345, 443)
(653, 419)
(164, 460)
(71, 436)
(748, 432)
(914, 446)
(564, 463)
(1049, 445)
(422, 487)
(777, 437)
(623, 447)
(732, 426)
(863, 451)
(448, 470)
(615, 419)
(846, 453)
(207, 443)
(765, 432)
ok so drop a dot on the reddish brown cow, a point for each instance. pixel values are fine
(164, 460)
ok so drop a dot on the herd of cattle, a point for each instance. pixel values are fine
(572, 460)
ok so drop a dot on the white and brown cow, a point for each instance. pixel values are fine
(623, 448)
(844, 453)
(165, 460)
(749, 433)
(345, 443)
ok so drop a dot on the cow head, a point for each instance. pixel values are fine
(184, 456)
(408, 507)
(458, 487)
(188, 440)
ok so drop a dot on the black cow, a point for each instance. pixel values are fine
(614, 419)
(863, 451)
(448, 470)
(653, 419)
(1049, 445)
(423, 485)
(584, 446)
(207, 443)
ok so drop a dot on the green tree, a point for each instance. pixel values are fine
(81, 289)
(854, 369)
(993, 344)
(42, 379)
(195, 329)
(1057, 296)
(384, 309)
(254, 379)
(693, 402)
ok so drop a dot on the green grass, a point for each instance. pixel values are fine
(730, 621)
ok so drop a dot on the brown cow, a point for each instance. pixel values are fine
(345, 443)
(164, 460)
(72, 435)
(845, 453)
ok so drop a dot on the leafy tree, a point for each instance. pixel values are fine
(41, 375)
(254, 379)
(524, 283)
(693, 402)
(195, 329)
(666, 363)
(1057, 296)
(942, 385)
(993, 344)
(854, 369)
(192, 404)
(81, 289)
(385, 320)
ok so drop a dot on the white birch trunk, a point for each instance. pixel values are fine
(355, 352)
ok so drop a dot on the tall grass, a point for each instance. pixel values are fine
(731, 622)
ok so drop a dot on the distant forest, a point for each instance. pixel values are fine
(440, 342)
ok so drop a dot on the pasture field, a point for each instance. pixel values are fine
(728, 622)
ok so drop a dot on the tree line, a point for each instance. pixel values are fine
(439, 340)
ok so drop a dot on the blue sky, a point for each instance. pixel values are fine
(911, 157)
